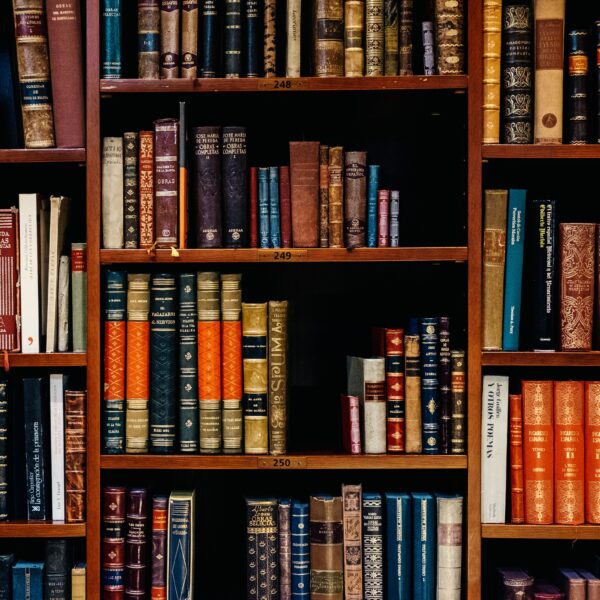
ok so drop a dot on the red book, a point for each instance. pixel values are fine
(113, 543)
(304, 193)
(517, 499)
(383, 222)
(166, 179)
(66, 66)
(351, 424)
(592, 452)
(10, 338)
(394, 379)
(253, 217)
(378, 341)
(286, 207)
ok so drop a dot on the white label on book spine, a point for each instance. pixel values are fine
(57, 446)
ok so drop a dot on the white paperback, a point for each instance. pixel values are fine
(57, 446)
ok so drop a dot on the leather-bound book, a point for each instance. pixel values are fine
(430, 384)
(278, 376)
(57, 564)
(538, 451)
(274, 219)
(253, 207)
(180, 544)
(66, 64)
(235, 187)
(494, 258)
(233, 38)
(517, 498)
(351, 424)
(209, 361)
(293, 30)
(391, 34)
(412, 371)
(231, 365)
(158, 589)
(352, 535)
(449, 545)
(112, 192)
(354, 52)
(329, 38)
(394, 218)
(135, 543)
(596, 42)
(577, 253)
(146, 190)
(445, 366)
(398, 513)
(78, 581)
(326, 548)
(568, 452)
(373, 188)
(592, 452)
(210, 33)
(115, 336)
(113, 543)
(166, 179)
(355, 199)
(255, 365)
(424, 547)
(130, 189)
(284, 508)
(549, 57)
(163, 362)
(383, 220)
(336, 197)
(207, 150)
(449, 37)
(285, 207)
(300, 550)
(270, 38)
(323, 196)
(6, 564)
(263, 207)
(492, 23)
(251, 30)
(34, 73)
(546, 591)
(10, 332)
(515, 584)
(189, 39)
(75, 455)
(458, 409)
(394, 381)
(428, 47)
(374, 37)
(3, 452)
(169, 38)
(27, 579)
(148, 39)
(262, 548)
(372, 532)
(187, 320)
(111, 64)
(517, 73)
(406, 33)
(304, 185)
(572, 584)
(577, 130)
(592, 584)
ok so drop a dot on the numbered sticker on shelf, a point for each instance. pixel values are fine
(283, 255)
(282, 462)
(280, 84)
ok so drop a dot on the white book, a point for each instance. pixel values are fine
(494, 441)
(57, 446)
(449, 546)
(112, 192)
(63, 303)
(293, 38)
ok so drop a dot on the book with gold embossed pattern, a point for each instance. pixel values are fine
(278, 376)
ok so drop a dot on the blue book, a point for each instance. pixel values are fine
(372, 206)
(210, 16)
(111, 40)
(6, 563)
(180, 546)
(394, 219)
(398, 517)
(263, 207)
(515, 244)
(300, 551)
(11, 133)
(413, 326)
(274, 223)
(430, 385)
(424, 546)
(372, 543)
(28, 580)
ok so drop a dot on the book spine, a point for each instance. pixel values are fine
(412, 372)
(424, 546)
(274, 219)
(130, 189)
(597, 78)
(210, 16)
(78, 582)
(253, 224)
(383, 221)
(300, 551)
(285, 202)
(6, 566)
(336, 197)
(398, 509)
(148, 39)
(28, 580)
(169, 38)
(492, 27)
(113, 542)
(62, 325)
(278, 376)
(329, 38)
(79, 296)
(163, 363)
(263, 207)
(374, 405)
(189, 39)
(146, 190)
(406, 33)
(135, 543)
(578, 94)
(430, 385)
(394, 218)
(285, 550)
(304, 186)
(270, 38)
(262, 548)
(538, 451)
(166, 134)
(57, 447)
(351, 424)
(354, 55)
(293, 23)
(592, 452)
(372, 206)
(323, 196)
(75, 455)
(66, 65)
(390, 16)
(115, 336)
(428, 48)
(549, 56)
(372, 533)
(449, 545)
(111, 39)
(209, 361)
(445, 367)
(457, 402)
(112, 193)
(517, 74)
(158, 589)
(374, 38)
(235, 187)
(355, 199)
(180, 545)
(252, 44)
(449, 35)
(182, 165)
(394, 379)
(517, 500)
(3, 455)
(353, 541)
(56, 569)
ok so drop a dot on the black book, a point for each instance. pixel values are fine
(235, 195)
(233, 38)
(17, 503)
(57, 570)
(130, 185)
(3, 452)
(6, 563)
(11, 130)
(577, 131)
(253, 26)
(210, 35)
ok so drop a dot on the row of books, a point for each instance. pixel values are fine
(41, 75)
(189, 367)
(325, 197)
(562, 271)
(245, 39)
(57, 576)
(42, 450)
(550, 435)
(523, 103)
(354, 546)
(128, 536)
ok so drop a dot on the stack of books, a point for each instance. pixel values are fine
(564, 583)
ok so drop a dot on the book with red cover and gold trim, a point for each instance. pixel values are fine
(394, 379)
(517, 499)
(592, 452)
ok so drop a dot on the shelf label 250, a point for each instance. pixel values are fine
(282, 462)
(283, 255)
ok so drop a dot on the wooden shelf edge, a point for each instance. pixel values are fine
(541, 532)
(51, 359)
(539, 151)
(45, 155)
(540, 359)
(41, 529)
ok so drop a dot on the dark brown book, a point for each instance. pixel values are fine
(130, 191)
(66, 64)
(355, 201)
(304, 185)
(165, 182)
(148, 39)
(449, 36)
(406, 29)
(285, 203)
(113, 543)
(329, 38)
(135, 543)
(336, 197)
(75, 453)
(270, 38)
(324, 196)
(169, 38)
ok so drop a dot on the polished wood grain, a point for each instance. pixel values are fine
(44, 155)
(541, 532)
(525, 151)
(41, 529)
(51, 359)
(541, 359)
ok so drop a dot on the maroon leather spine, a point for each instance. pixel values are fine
(253, 220)
(378, 341)
(113, 543)
(75, 463)
(135, 544)
(159, 548)
(10, 338)
(66, 66)
(350, 424)
(165, 181)
(304, 186)
(383, 221)
(285, 207)
(355, 201)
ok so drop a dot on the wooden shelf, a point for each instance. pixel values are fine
(299, 461)
(41, 529)
(413, 254)
(283, 84)
(541, 532)
(52, 359)
(46, 155)
(518, 151)
(540, 359)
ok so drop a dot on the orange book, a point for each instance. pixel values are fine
(568, 453)
(517, 500)
(538, 451)
(209, 360)
(592, 451)
(232, 359)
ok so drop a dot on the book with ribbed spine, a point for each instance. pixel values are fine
(372, 540)
(457, 402)
(352, 534)
(449, 37)
(57, 560)
(148, 39)
(210, 17)
(300, 550)
(146, 191)
(166, 179)
(75, 455)
(11, 135)
(3, 452)
(293, 38)
(412, 401)
(235, 187)
(592, 452)
(57, 446)
(430, 384)
(355, 199)
(278, 376)
(251, 30)
(284, 507)
(492, 25)
(323, 196)
(130, 189)
(115, 336)
(189, 39)
(112, 193)
(285, 206)
(577, 83)
(136, 511)
(270, 38)
(424, 545)
(78, 582)
(394, 380)
(263, 207)
(28, 580)
(111, 62)
(383, 218)
(113, 542)
(336, 197)
(233, 38)
(405, 66)
(354, 52)
(517, 500)
(253, 203)
(163, 362)
(391, 36)
(304, 186)
(274, 217)
(158, 589)
(329, 38)
(78, 296)
(372, 206)
(449, 545)
(170, 11)
(374, 38)
(398, 523)
(137, 378)
(209, 360)
(394, 218)
(180, 544)
(445, 368)
(262, 548)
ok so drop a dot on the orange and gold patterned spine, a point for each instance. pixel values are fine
(517, 500)
(592, 452)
